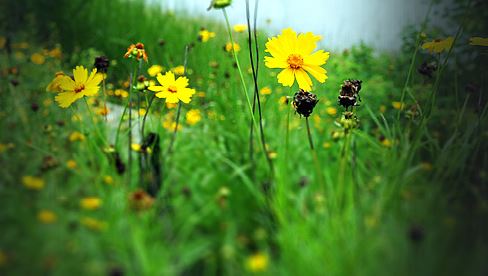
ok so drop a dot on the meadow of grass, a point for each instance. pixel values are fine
(402, 193)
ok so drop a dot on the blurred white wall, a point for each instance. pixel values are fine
(378, 23)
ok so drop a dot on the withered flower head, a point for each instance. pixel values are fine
(101, 63)
(304, 102)
(136, 51)
(427, 69)
(349, 93)
(140, 200)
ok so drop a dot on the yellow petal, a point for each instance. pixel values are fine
(272, 62)
(156, 88)
(181, 82)
(304, 81)
(286, 77)
(80, 74)
(166, 79)
(65, 99)
(66, 83)
(317, 72)
(318, 58)
(306, 43)
(172, 98)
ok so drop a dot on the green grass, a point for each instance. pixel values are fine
(350, 214)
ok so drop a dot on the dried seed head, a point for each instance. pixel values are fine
(427, 69)
(101, 63)
(349, 93)
(304, 102)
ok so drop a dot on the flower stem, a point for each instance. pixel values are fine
(145, 115)
(173, 137)
(310, 141)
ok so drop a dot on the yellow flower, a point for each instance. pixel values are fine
(326, 145)
(475, 41)
(55, 84)
(55, 53)
(438, 45)
(387, 142)
(3, 41)
(293, 53)
(173, 90)
(108, 180)
(178, 70)
(32, 182)
(257, 262)
(219, 4)
(332, 111)
(135, 147)
(93, 224)
(171, 105)
(239, 28)
(71, 164)
(136, 51)
(397, 105)
(265, 90)
(204, 35)
(46, 216)
(228, 47)
(154, 70)
(193, 116)
(38, 59)
(76, 136)
(121, 93)
(90, 203)
(82, 85)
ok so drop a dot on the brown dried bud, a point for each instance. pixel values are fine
(304, 102)
(349, 93)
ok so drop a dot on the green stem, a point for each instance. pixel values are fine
(310, 141)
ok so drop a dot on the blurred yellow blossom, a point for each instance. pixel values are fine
(478, 41)
(178, 70)
(204, 35)
(55, 84)
(142, 111)
(239, 28)
(76, 136)
(135, 147)
(121, 93)
(93, 224)
(193, 116)
(108, 180)
(38, 59)
(426, 166)
(439, 45)
(33, 182)
(257, 262)
(71, 164)
(326, 145)
(90, 203)
(332, 111)
(382, 109)
(46, 216)
(155, 70)
(5, 147)
(265, 90)
(228, 47)
(397, 105)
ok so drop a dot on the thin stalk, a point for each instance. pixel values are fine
(145, 114)
(95, 125)
(105, 111)
(173, 137)
(310, 141)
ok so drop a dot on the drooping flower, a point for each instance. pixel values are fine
(439, 45)
(82, 85)
(136, 51)
(154, 70)
(172, 89)
(239, 28)
(478, 41)
(55, 84)
(205, 35)
(294, 54)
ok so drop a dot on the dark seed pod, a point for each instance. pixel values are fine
(304, 102)
(427, 69)
(349, 93)
(102, 63)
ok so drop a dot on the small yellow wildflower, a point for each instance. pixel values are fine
(82, 85)
(438, 45)
(55, 53)
(136, 51)
(170, 125)
(204, 35)
(397, 105)
(55, 84)
(76, 136)
(239, 28)
(155, 70)
(219, 4)
(293, 54)
(387, 142)
(33, 182)
(193, 116)
(108, 180)
(257, 262)
(142, 111)
(326, 145)
(121, 93)
(38, 59)
(478, 41)
(178, 70)
(135, 147)
(272, 154)
(332, 111)
(93, 224)
(71, 164)
(46, 216)
(172, 89)
(201, 94)
(228, 47)
(265, 90)
(90, 203)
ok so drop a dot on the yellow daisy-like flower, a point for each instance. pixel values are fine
(478, 41)
(38, 58)
(193, 116)
(32, 182)
(257, 262)
(90, 203)
(154, 70)
(438, 45)
(55, 84)
(294, 54)
(265, 90)
(172, 89)
(82, 85)
(239, 28)
(228, 47)
(178, 70)
(205, 35)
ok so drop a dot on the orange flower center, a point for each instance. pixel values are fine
(80, 88)
(172, 89)
(295, 61)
